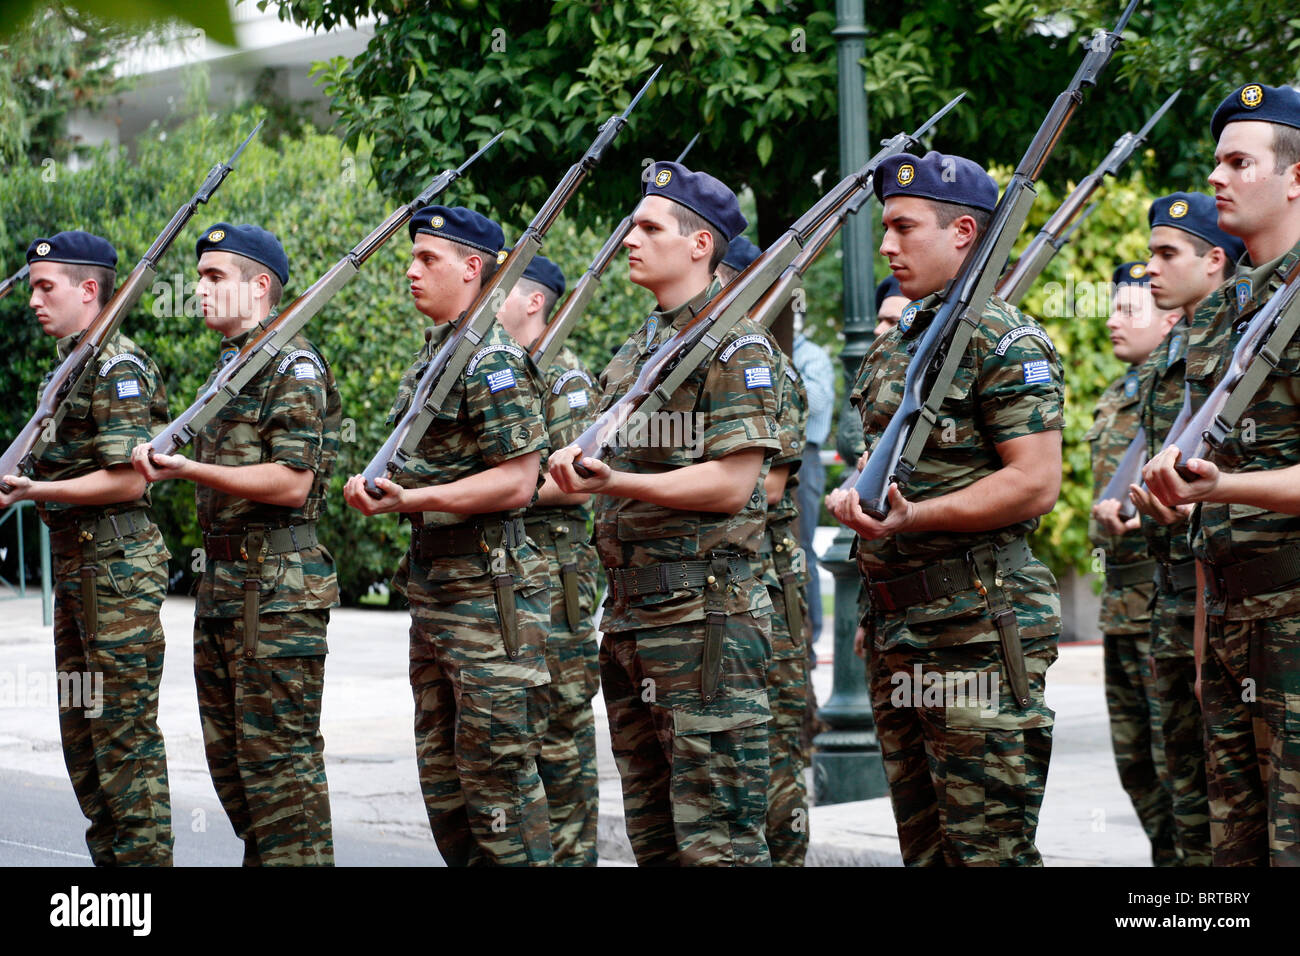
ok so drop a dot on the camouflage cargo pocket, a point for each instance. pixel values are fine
(502, 716)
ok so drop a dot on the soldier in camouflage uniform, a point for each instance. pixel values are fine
(783, 569)
(1190, 257)
(679, 522)
(110, 562)
(261, 469)
(1245, 534)
(966, 763)
(557, 523)
(478, 587)
(1136, 722)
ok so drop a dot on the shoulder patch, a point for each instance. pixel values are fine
(128, 388)
(500, 379)
(295, 356)
(568, 377)
(1011, 338)
(577, 398)
(119, 359)
(752, 338)
(791, 374)
(1036, 372)
(481, 354)
(758, 376)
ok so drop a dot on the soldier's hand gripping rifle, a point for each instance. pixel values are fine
(1056, 230)
(567, 315)
(939, 351)
(262, 348)
(443, 371)
(676, 358)
(80, 363)
(8, 285)
(1258, 352)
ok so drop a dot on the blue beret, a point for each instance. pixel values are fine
(953, 179)
(459, 224)
(1195, 213)
(701, 193)
(1254, 101)
(75, 248)
(1130, 273)
(740, 253)
(252, 242)
(543, 271)
(887, 289)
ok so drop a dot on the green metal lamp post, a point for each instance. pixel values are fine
(847, 763)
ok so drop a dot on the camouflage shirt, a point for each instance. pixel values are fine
(492, 414)
(1124, 610)
(569, 404)
(1007, 386)
(288, 414)
(121, 403)
(1267, 435)
(1160, 407)
(727, 404)
(792, 422)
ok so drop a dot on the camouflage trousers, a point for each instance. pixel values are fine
(108, 708)
(1183, 731)
(694, 775)
(261, 734)
(966, 782)
(1137, 738)
(480, 719)
(787, 692)
(567, 761)
(1250, 694)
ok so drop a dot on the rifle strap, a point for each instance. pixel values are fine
(1263, 362)
(934, 397)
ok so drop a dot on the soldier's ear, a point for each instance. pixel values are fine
(965, 231)
(473, 267)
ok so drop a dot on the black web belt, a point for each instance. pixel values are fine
(945, 578)
(1127, 575)
(1278, 571)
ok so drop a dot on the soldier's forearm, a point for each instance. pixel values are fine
(1009, 495)
(774, 483)
(718, 487)
(1275, 490)
(550, 494)
(503, 487)
(106, 486)
(269, 482)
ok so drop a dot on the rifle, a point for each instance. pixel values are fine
(1128, 472)
(1256, 353)
(262, 348)
(8, 285)
(567, 315)
(443, 371)
(1052, 237)
(67, 379)
(673, 361)
(963, 300)
(769, 306)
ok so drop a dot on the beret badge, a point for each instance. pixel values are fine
(1137, 270)
(1178, 210)
(906, 174)
(501, 256)
(43, 249)
(664, 177)
(1252, 96)
(216, 235)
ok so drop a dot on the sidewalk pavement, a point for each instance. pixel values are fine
(370, 753)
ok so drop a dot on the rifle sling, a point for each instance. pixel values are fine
(1263, 362)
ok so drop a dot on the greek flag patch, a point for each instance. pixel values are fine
(760, 376)
(500, 380)
(1036, 372)
(128, 388)
(304, 370)
(577, 399)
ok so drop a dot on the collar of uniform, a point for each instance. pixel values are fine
(681, 316)
(434, 334)
(65, 345)
(1174, 346)
(1259, 276)
(925, 310)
